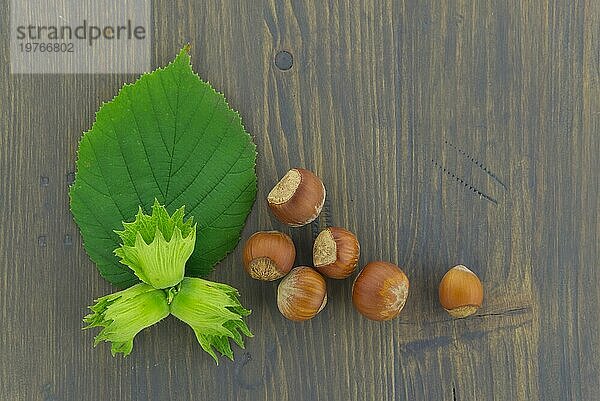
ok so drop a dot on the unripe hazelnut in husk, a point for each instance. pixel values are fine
(336, 252)
(301, 294)
(461, 292)
(297, 199)
(269, 255)
(380, 291)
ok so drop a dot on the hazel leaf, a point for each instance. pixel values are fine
(169, 136)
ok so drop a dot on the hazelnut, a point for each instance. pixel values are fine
(269, 255)
(380, 291)
(297, 199)
(301, 294)
(461, 292)
(336, 252)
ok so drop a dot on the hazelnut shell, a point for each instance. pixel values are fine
(268, 255)
(336, 252)
(380, 291)
(297, 199)
(461, 292)
(301, 294)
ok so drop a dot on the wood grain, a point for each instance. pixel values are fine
(445, 133)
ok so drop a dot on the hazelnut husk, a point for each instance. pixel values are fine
(336, 252)
(268, 255)
(380, 291)
(297, 199)
(301, 294)
(461, 292)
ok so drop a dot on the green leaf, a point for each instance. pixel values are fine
(169, 136)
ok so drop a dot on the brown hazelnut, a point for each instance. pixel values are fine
(336, 252)
(380, 291)
(269, 255)
(297, 199)
(301, 294)
(461, 292)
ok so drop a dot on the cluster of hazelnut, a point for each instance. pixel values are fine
(379, 291)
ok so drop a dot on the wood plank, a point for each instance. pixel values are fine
(459, 132)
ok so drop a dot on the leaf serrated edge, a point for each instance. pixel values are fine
(184, 52)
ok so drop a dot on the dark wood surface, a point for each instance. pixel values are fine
(445, 132)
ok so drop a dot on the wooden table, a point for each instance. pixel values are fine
(445, 132)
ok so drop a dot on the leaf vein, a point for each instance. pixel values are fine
(105, 180)
(139, 131)
(196, 145)
(242, 192)
(203, 166)
(120, 145)
(175, 114)
(155, 114)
